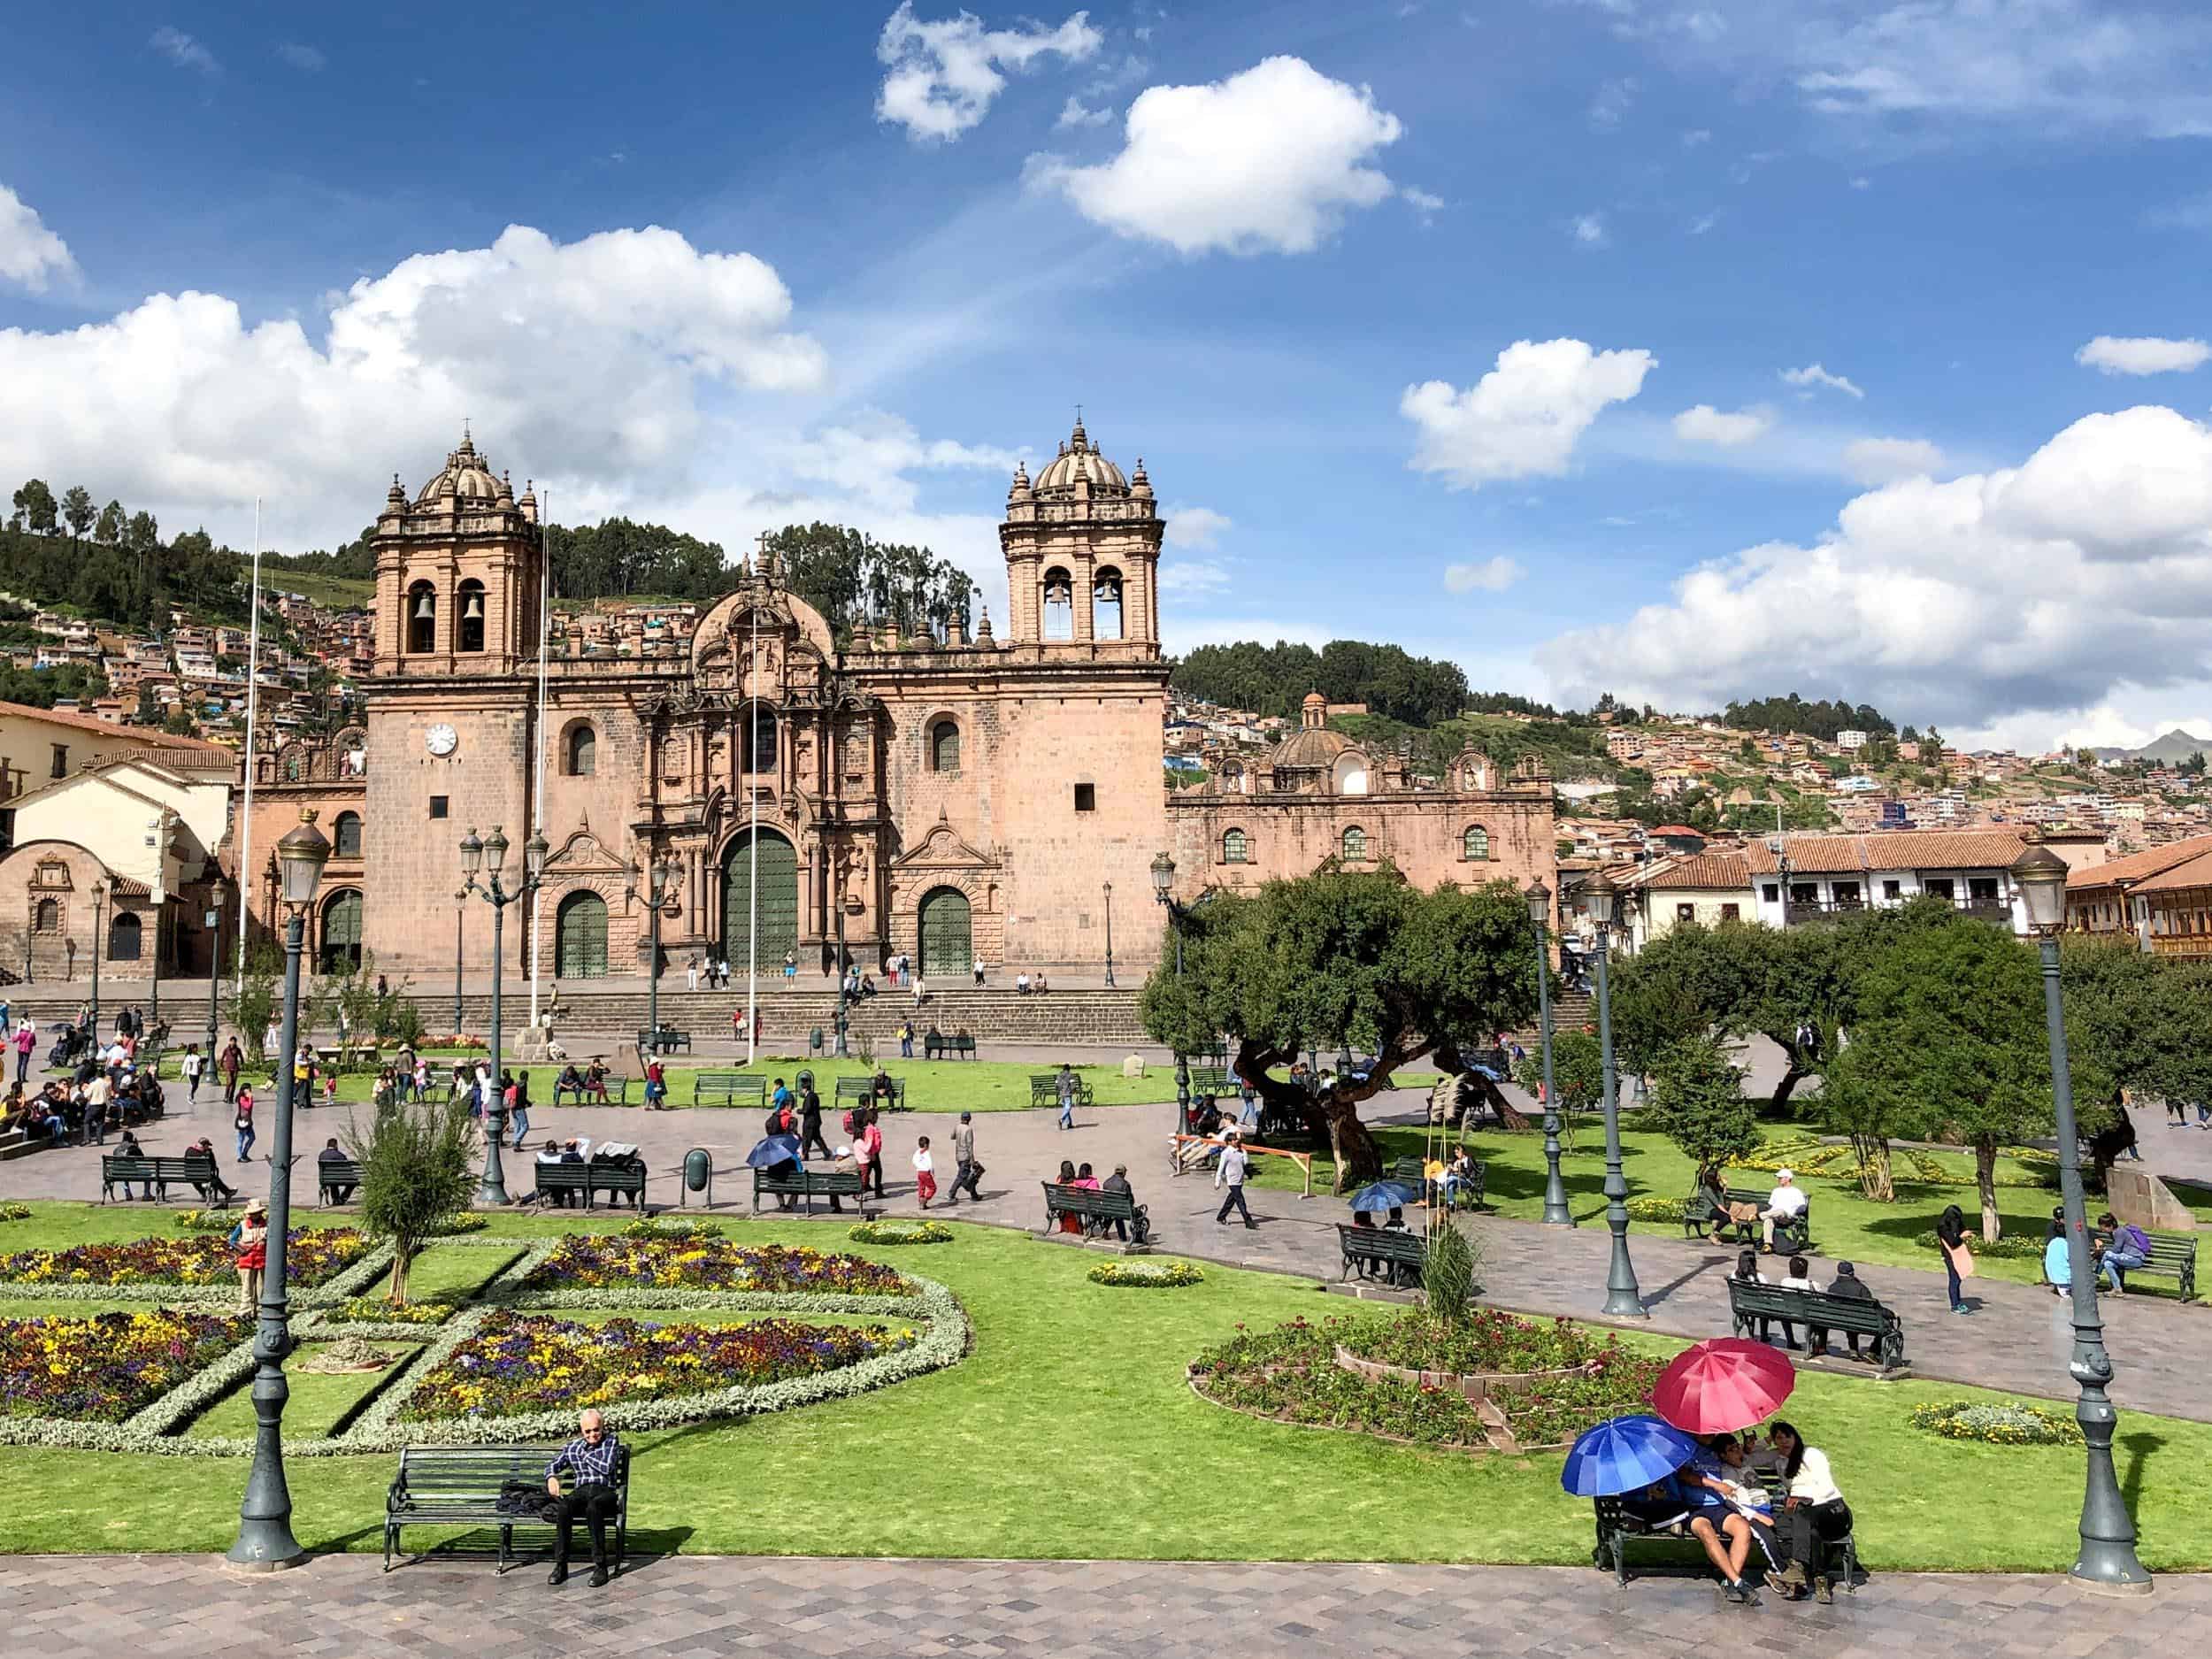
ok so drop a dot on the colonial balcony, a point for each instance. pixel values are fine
(1799, 912)
(2188, 947)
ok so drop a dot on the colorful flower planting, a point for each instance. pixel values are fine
(896, 1232)
(1996, 1424)
(1147, 1275)
(104, 1368)
(599, 1261)
(518, 1363)
(315, 1253)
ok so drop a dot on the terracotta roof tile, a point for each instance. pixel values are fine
(2190, 872)
(1715, 873)
(2139, 866)
(1895, 849)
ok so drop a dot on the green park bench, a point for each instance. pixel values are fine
(834, 1184)
(1212, 1080)
(1044, 1089)
(729, 1088)
(1755, 1308)
(667, 1039)
(1668, 1547)
(2175, 1256)
(959, 1046)
(330, 1174)
(618, 1084)
(1407, 1172)
(1394, 1251)
(462, 1486)
(1096, 1209)
(864, 1092)
(1794, 1235)
(621, 1175)
(157, 1173)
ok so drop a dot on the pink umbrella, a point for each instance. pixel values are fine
(1723, 1384)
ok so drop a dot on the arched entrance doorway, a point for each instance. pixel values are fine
(776, 899)
(947, 936)
(342, 934)
(580, 937)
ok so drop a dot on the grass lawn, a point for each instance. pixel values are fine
(1074, 1384)
(1845, 1225)
(947, 1086)
(318, 1401)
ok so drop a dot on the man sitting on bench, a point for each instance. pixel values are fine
(590, 1457)
(340, 1191)
(1785, 1203)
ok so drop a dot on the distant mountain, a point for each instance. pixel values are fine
(2175, 747)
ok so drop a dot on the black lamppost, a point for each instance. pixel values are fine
(214, 920)
(1780, 849)
(1623, 1299)
(1162, 882)
(1109, 935)
(161, 910)
(1555, 1211)
(660, 874)
(839, 1026)
(493, 1188)
(264, 1519)
(460, 911)
(2107, 1559)
(99, 949)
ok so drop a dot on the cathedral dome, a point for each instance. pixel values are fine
(1078, 463)
(465, 475)
(1313, 749)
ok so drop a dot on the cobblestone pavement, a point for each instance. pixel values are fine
(691, 1607)
(2019, 1340)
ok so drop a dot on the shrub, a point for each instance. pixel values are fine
(1152, 1275)
(2013, 1246)
(462, 1221)
(1448, 1273)
(653, 1227)
(2007, 1424)
(1655, 1209)
(415, 1175)
(901, 1232)
(206, 1220)
(15, 1212)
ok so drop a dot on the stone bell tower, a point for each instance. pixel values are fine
(1082, 547)
(457, 574)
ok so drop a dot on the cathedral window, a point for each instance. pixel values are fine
(1106, 622)
(125, 938)
(1475, 844)
(422, 619)
(579, 750)
(49, 916)
(346, 835)
(759, 737)
(1086, 797)
(1235, 848)
(944, 747)
(471, 599)
(1356, 842)
(1059, 594)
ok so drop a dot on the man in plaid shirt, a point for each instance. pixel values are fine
(590, 1457)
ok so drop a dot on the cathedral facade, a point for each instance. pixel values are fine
(964, 799)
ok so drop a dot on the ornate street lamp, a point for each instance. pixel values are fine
(1162, 884)
(2107, 1559)
(460, 911)
(659, 875)
(99, 949)
(1109, 935)
(264, 1519)
(1555, 1211)
(1623, 1299)
(213, 919)
(489, 855)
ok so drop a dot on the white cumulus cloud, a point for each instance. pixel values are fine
(1524, 417)
(1075, 113)
(1812, 374)
(2045, 586)
(31, 255)
(1491, 576)
(871, 454)
(1588, 229)
(1192, 526)
(1878, 460)
(1704, 424)
(943, 77)
(2143, 354)
(308, 60)
(184, 51)
(1267, 161)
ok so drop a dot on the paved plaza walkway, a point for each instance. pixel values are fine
(2018, 1341)
(693, 1607)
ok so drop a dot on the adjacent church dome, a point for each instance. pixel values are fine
(1313, 747)
(465, 475)
(1077, 462)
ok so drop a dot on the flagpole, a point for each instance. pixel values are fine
(253, 710)
(752, 863)
(537, 812)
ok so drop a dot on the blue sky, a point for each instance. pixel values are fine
(1278, 250)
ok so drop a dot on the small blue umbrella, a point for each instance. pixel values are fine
(1624, 1454)
(1383, 1195)
(774, 1150)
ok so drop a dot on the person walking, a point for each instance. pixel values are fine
(1230, 1172)
(252, 1238)
(1958, 1261)
(966, 1171)
(920, 994)
(195, 1063)
(811, 1121)
(906, 1039)
(1063, 1086)
(924, 1173)
(25, 1043)
(871, 1137)
(516, 1085)
(241, 1120)
(234, 1058)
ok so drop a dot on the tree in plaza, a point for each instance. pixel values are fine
(417, 1172)
(1698, 1102)
(34, 508)
(1576, 1071)
(254, 999)
(77, 511)
(2144, 1026)
(1343, 957)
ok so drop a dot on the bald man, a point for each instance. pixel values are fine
(591, 1458)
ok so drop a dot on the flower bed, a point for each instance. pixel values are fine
(1147, 1275)
(652, 1227)
(586, 1261)
(1655, 1209)
(518, 1362)
(1290, 1375)
(1996, 1424)
(205, 1220)
(313, 1255)
(104, 1368)
(901, 1232)
(459, 1222)
(15, 1212)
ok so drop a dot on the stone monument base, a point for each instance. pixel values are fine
(2141, 1198)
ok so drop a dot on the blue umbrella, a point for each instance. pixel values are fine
(1624, 1454)
(774, 1150)
(1383, 1195)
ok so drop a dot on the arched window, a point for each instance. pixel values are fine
(1235, 850)
(472, 600)
(48, 919)
(579, 950)
(1059, 615)
(944, 747)
(1350, 777)
(1474, 845)
(341, 950)
(580, 754)
(1106, 605)
(1356, 842)
(758, 741)
(345, 835)
(422, 619)
(126, 937)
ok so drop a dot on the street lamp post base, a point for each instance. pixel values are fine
(2110, 1587)
(1623, 1308)
(231, 1564)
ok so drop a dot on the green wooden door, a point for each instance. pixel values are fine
(342, 934)
(580, 949)
(947, 943)
(776, 901)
